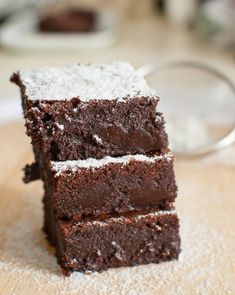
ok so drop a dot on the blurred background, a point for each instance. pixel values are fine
(36, 33)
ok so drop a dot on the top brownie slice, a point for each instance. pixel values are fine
(90, 110)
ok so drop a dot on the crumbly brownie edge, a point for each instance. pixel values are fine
(52, 134)
(144, 239)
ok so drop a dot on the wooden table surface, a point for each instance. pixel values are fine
(206, 205)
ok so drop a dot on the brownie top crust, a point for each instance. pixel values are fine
(75, 165)
(117, 80)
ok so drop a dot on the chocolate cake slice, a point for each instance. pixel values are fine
(90, 111)
(108, 185)
(107, 241)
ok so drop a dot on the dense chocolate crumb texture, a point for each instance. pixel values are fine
(125, 240)
(90, 110)
(107, 185)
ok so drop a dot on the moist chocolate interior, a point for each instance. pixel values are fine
(94, 128)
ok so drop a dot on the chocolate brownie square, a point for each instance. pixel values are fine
(109, 241)
(107, 185)
(90, 111)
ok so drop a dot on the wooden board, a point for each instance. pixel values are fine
(206, 206)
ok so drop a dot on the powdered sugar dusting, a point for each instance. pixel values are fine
(124, 219)
(97, 163)
(60, 126)
(97, 139)
(117, 80)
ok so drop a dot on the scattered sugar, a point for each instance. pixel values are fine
(117, 80)
(130, 208)
(97, 163)
(158, 118)
(35, 109)
(123, 219)
(97, 139)
(68, 118)
(118, 255)
(60, 126)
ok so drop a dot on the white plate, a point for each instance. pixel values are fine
(20, 32)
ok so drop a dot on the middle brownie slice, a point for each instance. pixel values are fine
(107, 185)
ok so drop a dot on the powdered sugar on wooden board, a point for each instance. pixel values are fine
(97, 163)
(117, 80)
(205, 266)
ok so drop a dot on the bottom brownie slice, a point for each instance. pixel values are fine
(129, 239)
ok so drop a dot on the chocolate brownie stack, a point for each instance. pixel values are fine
(101, 151)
